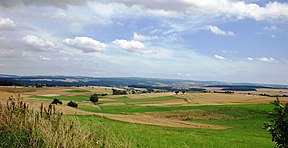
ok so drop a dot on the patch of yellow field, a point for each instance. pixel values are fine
(190, 115)
(56, 91)
(151, 120)
(196, 99)
(271, 91)
(149, 95)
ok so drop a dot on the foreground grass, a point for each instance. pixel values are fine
(21, 127)
(245, 129)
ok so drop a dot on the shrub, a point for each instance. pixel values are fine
(72, 104)
(94, 98)
(278, 124)
(56, 101)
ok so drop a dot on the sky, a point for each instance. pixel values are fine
(207, 40)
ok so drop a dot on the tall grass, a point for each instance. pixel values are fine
(22, 127)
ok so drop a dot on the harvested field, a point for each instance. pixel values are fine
(190, 115)
(149, 95)
(197, 99)
(151, 120)
(50, 91)
(272, 91)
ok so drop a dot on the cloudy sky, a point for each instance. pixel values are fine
(223, 40)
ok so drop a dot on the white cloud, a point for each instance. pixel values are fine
(267, 60)
(85, 44)
(181, 74)
(139, 37)
(220, 57)
(37, 42)
(131, 46)
(6, 23)
(45, 58)
(250, 59)
(61, 4)
(218, 31)
(220, 8)
(270, 28)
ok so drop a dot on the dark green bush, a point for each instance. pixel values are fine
(72, 104)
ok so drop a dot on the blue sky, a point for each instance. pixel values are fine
(224, 40)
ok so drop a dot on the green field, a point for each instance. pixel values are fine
(245, 128)
(127, 100)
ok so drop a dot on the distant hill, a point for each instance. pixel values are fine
(137, 82)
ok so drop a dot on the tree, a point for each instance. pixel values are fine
(176, 92)
(183, 92)
(278, 124)
(94, 98)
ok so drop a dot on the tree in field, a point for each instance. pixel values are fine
(176, 92)
(278, 124)
(183, 92)
(94, 98)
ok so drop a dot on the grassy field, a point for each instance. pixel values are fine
(245, 129)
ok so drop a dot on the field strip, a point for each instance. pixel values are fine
(150, 120)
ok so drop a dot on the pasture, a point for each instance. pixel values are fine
(162, 119)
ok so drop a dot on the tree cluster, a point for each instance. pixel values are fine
(119, 92)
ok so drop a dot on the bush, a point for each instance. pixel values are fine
(56, 101)
(94, 98)
(278, 124)
(72, 104)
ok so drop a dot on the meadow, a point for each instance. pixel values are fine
(166, 119)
